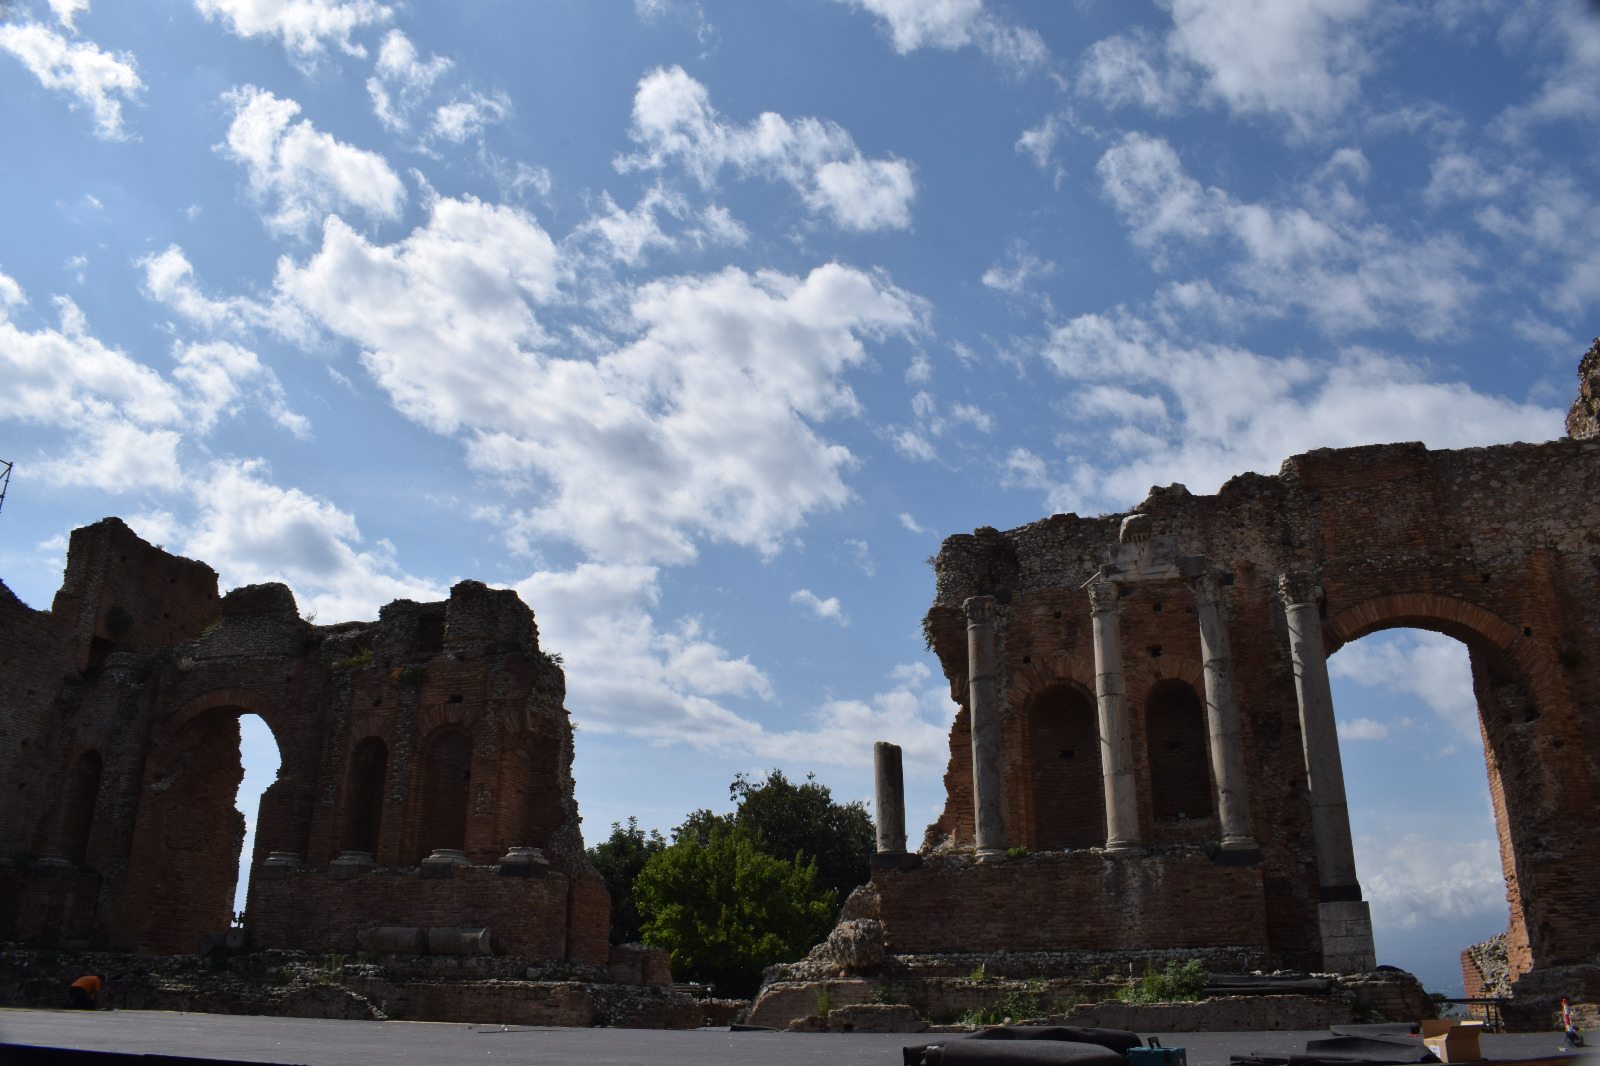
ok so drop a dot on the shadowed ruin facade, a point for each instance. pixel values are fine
(425, 780)
(1145, 759)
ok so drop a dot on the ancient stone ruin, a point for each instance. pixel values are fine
(423, 810)
(1145, 763)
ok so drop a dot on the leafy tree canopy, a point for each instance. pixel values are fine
(787, 821)
(725, 909)
(619, 860)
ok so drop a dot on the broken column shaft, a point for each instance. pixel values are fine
(983, 706)
(1116, 746)
(890, 806)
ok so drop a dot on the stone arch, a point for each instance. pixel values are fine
(1065, 805)
(1515, 681)
(188, 836)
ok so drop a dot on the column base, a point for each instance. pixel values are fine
(1347, 946)
(989, 855)
(896, 860)
(1124, 848)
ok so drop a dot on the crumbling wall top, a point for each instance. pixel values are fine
(1583, 421)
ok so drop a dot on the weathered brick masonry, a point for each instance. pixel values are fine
(1498, 547)
(440, 726)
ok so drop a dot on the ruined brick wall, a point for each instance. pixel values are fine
(1499, 547)
(1073, 901)
(1583, 421)
(359, 712)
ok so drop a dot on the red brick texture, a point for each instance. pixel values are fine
(439, 725)
(1498, 547)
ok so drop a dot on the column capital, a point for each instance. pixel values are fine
(1102, 595)
(980, 609)
(1298, 586)
(1208, 587)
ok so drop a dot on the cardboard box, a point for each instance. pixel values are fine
(1451, 1040)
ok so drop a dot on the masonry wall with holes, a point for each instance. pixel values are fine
(439, 726)
(1499, 547)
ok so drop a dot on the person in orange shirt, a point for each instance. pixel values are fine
(85, 992)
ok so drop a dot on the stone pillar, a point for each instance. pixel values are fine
(1222, 723)
(1116, 746)
(890, 807)
(983, 706)
(1346, 920)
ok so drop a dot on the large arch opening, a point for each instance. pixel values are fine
(1069, 803)
(193, 846)
(1426, 832)
(363, 804)
(79, 797)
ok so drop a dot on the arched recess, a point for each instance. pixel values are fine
(1515, 680)
(361, 825)
(446, 789)
(78, 798)
(1069, 807)
(1177, 752)
(188, 835)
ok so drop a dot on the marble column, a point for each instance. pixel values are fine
(1222, 723)
(1116, 745)
(983, 707)
(890, 806)
(1346, 920)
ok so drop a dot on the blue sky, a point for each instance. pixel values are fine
(700, 324)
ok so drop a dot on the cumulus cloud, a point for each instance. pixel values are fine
(124, 420)
(1162, 410)
(169, 279)
(1319, 256)
(1300, 62)
(305, 27)
(827, 609)
(1433, 667)
(1363, 729)
(1416, 878)
(673, 121)
(299, 170)
(98, 80)
(463, 119)
(401, 80)
(701, 425)
(252, 531)
(955, 24)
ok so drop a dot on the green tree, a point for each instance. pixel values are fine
(789, 821)
(725, 909)
(619, 860)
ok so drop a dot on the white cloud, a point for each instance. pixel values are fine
(910, 523)
(66, 12)
(1418, 878)
(401, 80)
(629, 233)
(305, 27)
(124, 420)
(1433, 667)
(96, 79)
(464, 119)
(914, 445)
(1172, 411)
(828, 609)
(1299, 61)
(700, 425)
(304, 172)
(1363, 729)
(1039, 142)
(954, 24)
(1022, 268)
(169, 279)
(1346, 274)
(1570, 90)
(863, 554)
(674, 121)
(253, 531)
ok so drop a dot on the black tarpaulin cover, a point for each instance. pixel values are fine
(1006, 1045)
